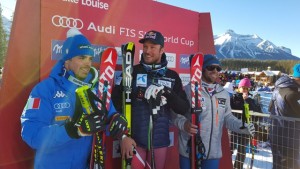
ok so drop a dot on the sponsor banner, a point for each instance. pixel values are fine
(185, 78)
(120, 58)
(171, 58)
(56, 50)
(244, 70)
(118, 77)
(105, 26)
(184, 62)
(106, 23)
(94, 25)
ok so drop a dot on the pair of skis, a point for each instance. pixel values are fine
(108, 65)
(197, 147)
(106, 77)
(106, 73)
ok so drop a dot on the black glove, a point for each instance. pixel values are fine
(91, 124)
(72, 129)
(86, 124)
(118, 126)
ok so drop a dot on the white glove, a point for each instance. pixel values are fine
(250, 129)
(163, 100)
(152, 91)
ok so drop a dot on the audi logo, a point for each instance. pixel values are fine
(170, 59)
(61, 105)
(67, 22)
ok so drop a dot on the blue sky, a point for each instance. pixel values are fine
(8, 7)
(275, 20)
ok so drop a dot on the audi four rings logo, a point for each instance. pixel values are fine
(61, 105)
(170, 58)
(67, 22)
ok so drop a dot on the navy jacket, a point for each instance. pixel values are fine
(285, 102)
(141, 110)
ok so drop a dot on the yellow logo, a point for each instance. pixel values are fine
(61, 118)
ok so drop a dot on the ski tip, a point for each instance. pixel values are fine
(110, 51)
(198, 54)
(130, 46)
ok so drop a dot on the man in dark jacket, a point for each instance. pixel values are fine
(284, 133)
(150, 77)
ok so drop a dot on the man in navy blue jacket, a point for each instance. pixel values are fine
(284, 133)
(151, 77)
(51, 119)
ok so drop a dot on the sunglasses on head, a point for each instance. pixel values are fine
(213, 67)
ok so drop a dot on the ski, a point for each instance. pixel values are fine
(247, 120)
(128, 51)
(197, 146)
(155, 107)
(82, 93)
(108, 65)
(86, 96)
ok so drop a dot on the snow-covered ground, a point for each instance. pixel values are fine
(262, 157)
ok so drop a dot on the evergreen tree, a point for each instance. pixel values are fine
(3, 40)
(285, 66)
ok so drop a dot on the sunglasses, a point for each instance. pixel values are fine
(213, 67)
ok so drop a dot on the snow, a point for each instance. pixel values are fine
(263, 158)
(222, 39)
(6, 24)
(233, 45)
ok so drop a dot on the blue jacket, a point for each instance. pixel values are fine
(50, 103)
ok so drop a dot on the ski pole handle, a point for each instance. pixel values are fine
(247, 114)
(84, 99)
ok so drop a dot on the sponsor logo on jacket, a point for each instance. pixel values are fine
(60, 94)
(221, 102)
(141, 80)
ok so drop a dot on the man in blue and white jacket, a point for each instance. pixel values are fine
(50, 119)
(216, 112)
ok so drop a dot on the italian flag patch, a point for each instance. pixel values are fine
(33, 103)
